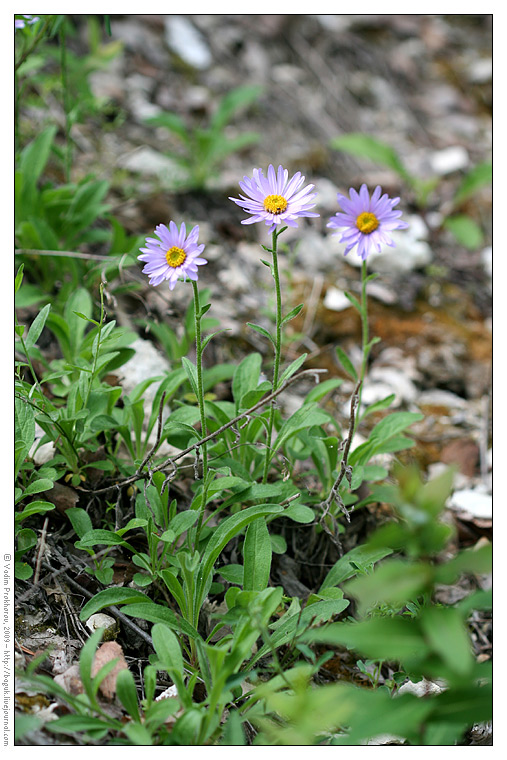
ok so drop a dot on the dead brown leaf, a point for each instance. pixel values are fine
(110, 650)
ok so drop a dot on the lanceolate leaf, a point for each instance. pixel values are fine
(227, 529)
(345, 362)
(111, 596)
(257, 555)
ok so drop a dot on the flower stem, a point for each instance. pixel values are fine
(200, 400)
(365, 336)
(278, 347)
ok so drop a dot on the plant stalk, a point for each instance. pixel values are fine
(365, 338)
(202, 411)
(278, 347)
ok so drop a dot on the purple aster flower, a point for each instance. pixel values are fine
(20, 23)
(173, 256)
(275, 199)
(367, 221)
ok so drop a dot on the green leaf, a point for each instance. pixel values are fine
(246, 378)
(209, 337)
(173, 123)
(24, 423)
(135, 522)
(346, 567)
(182, 522)
(127, 693)
(38, 486)
(25, 724)
(191, 371)
(34, 157)
(292, 314)
(353, 300)
(477, 561)
(19, 278)
(289, 625)
(257, 554)
(239, 97)
(305, 417)
(234, 573)
(433, 495)
(262, 331)
(37, 327)
(108, 597)
(233, 734)
(378, 406)
(103, 537)
(167, 648)
(299, 513)
(34, 508)
(393, 638)
(322, 388)
(292, 368)
(465, 230)
(345, 362)
(22, 571)
(468, 705)
(86, 662)
(393, 424)
(87, 319)
(394, 583)
(480, 176)
(366, 146)
(71, 724)
(227, 529)
(444, 630)
(157, 613)
(138, 734)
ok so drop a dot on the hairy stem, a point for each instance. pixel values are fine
(202, 411)
(365, 338)
(278, 341)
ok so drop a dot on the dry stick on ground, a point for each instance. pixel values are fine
(66, 566)
(40, 553)
(170, 462)
(114, 611)
(345, 469)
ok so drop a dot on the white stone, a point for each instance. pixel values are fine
(146, 362)
(187, 42)
(101, 620)
(439, 397)
(150, 162)
(480, 71)
(336, 300)
(171, 691)
(487, 260)
(449, 160)
(475, 501)
(381, 739)
(421, 688)
(394, 381)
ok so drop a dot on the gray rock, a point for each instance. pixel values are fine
(336, 300)
(187, 42)
(475, 501)
(149, 162)
(449, 160)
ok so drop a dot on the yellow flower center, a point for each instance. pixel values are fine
(175, 256)
(275, 204)
(367, 222)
